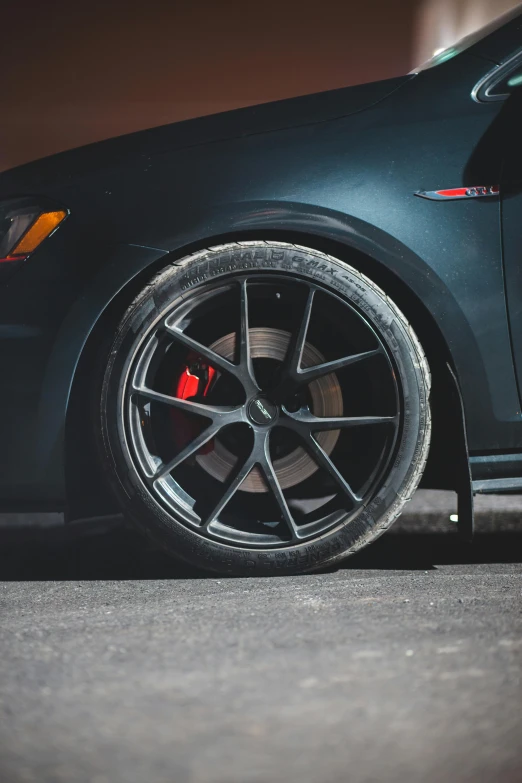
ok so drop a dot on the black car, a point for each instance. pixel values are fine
(257, 333)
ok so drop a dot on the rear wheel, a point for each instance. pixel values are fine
(264, 408)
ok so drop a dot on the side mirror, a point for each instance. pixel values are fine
(509, 85)
(501, 82)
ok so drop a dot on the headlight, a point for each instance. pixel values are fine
(24, 224)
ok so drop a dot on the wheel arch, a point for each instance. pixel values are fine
(448, 459)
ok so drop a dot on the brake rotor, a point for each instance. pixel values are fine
(326, 400)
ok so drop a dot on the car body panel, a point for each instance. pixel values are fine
(511, 183)
(314, 168)
(141, 146)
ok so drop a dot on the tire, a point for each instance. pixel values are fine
(266, 527)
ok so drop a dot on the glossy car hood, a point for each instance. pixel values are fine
(293, 112)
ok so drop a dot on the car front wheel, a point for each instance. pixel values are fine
(264, 409)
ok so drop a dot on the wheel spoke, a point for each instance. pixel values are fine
(234, 482)
(311, 373)
(304, 420)
(245, 359)
(265, 463)
(324, 461)
(217, 413)
(190, 448)
(298, 339)
(289, 373)
(215, 359)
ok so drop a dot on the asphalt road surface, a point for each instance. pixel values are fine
(118, 666)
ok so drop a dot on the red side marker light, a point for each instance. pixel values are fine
(457, 193)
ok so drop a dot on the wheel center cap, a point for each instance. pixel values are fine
(261, 411)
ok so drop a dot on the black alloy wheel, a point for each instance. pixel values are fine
(262, 411)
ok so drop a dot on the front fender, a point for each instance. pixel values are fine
(297, 222)
(123, 265)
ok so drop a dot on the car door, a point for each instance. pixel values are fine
(509, 85)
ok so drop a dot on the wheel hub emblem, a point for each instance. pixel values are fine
(262, 411)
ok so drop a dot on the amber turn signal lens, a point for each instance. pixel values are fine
(40, 230)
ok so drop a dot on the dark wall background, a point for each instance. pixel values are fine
(75, 72)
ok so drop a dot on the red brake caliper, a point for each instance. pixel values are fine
(194, 383)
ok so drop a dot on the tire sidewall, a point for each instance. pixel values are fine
(167, 291)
